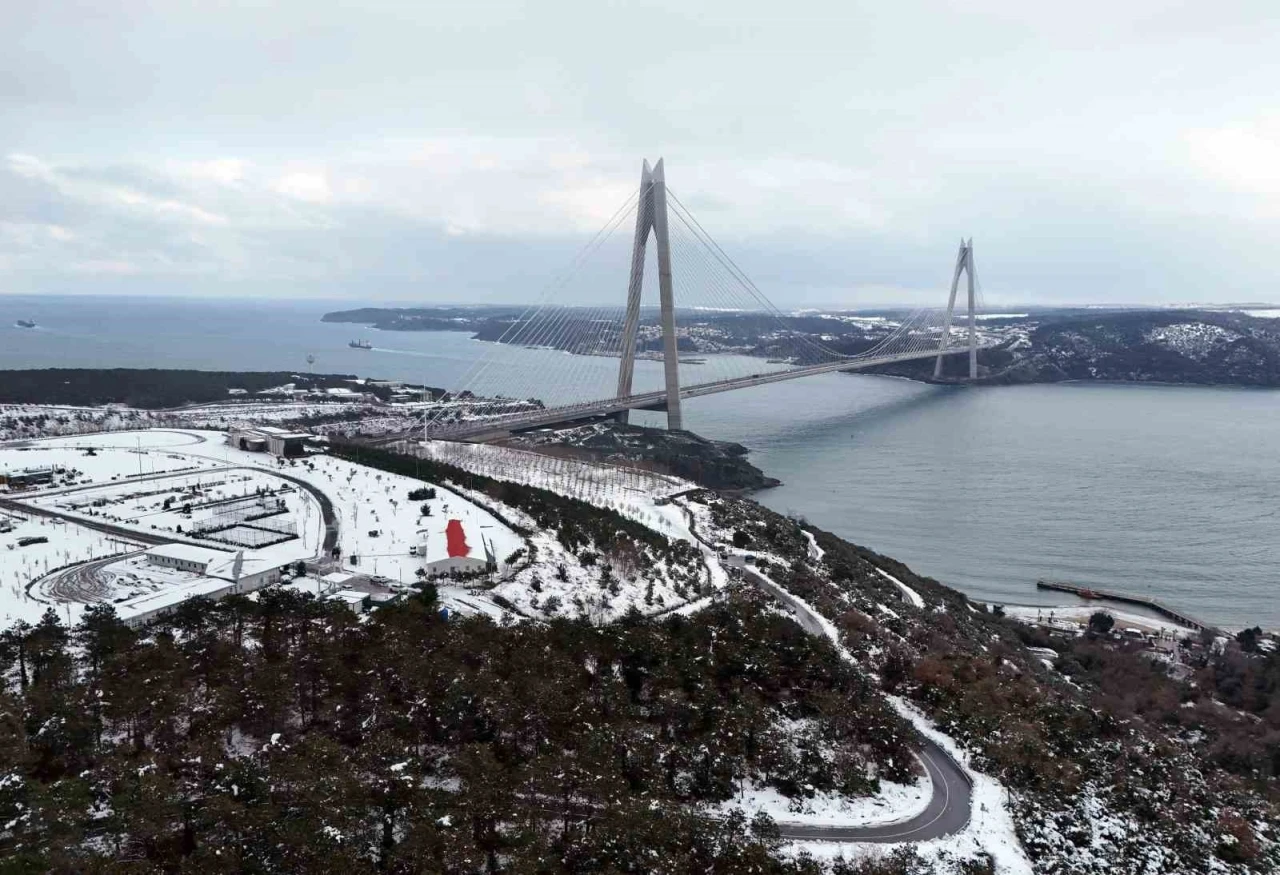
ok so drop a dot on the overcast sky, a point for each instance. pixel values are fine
(1120, 151)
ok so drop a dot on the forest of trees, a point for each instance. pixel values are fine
(286, 735)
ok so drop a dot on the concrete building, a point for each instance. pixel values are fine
(269, 439)
(456, 548)
(27, 478)
(247, 573)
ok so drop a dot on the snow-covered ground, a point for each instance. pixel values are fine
(369, 501)
(1076, 617)
(141, 504)
(1193, 339)
(68, 544)
(118, 456)
(595, 483)
(894, 803)
(908, 593)
(172, 462)
(544, 589)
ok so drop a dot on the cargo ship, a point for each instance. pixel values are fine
(360, 344)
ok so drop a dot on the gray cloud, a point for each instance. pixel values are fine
(1096, 152)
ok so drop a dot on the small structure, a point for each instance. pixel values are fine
(455, 548)
(338, 580)
(269, 439)
(357, 601)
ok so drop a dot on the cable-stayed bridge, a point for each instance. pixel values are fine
(724, 335)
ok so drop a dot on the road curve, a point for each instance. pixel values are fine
(949, 806)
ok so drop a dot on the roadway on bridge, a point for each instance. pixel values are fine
(501, 425)
(949, 806)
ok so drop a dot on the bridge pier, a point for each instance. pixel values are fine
(964, 263)
(651, 214)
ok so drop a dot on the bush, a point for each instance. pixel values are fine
(1100, 623)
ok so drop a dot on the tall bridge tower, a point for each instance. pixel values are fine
(964, 263)
(651, 214)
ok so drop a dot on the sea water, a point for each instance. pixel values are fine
(1169, 492)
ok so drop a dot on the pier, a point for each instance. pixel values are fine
(1088, 592)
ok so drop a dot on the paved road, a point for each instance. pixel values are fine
(948, 808)
(126, 534)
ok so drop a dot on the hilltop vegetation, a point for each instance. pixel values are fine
(151, 388)
(285, 735)
(1116, 763)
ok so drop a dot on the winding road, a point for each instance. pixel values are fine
(949, 807)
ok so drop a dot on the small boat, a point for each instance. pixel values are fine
(25, 323)
(360, 344)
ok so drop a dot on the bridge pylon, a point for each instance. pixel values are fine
(651, 215)
(964, 264)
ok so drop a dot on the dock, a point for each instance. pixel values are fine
(1088, 592)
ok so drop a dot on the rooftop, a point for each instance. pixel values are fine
(224, 567)
(187, 553)
(457, 537)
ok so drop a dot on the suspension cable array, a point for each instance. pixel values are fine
(562, 352)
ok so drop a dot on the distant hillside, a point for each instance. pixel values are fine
(1206, 347)
(146, 389)
(1170, 346)
(425, 319)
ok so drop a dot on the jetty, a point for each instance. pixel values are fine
(1088, 592)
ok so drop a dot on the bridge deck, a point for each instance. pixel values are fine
(499, 425)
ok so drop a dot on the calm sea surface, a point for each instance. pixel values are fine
(1168, 491)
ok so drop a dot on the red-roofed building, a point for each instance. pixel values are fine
(457, 547)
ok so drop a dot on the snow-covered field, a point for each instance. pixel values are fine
(1194, 339)
(131, 474)
(370, 501)
(893, 804)
(603, 485)
(141, 504)
(117, 456)
(68, 544)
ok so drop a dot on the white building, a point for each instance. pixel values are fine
(354, 599)
(184, 557)
(252, 573)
